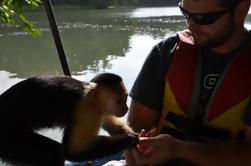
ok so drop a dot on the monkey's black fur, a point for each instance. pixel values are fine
(39, 102)
(36, 103)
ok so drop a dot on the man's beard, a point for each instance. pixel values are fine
(220, 39)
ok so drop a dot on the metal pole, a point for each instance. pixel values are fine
(57, 40)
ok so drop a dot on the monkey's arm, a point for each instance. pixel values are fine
(104, 146)
(115, 126)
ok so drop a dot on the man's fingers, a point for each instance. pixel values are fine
(146, 141)
(142, 133)
(140, 158)
(145, 145)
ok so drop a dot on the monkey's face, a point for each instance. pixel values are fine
(120, 107)
(113, 101)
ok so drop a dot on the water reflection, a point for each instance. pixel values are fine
(155, 12)
(129, 65)
(92, 39)
(7, 79)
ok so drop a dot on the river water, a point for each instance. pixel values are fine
(114, 40)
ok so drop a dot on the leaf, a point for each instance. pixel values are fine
(30, 27)
(11, 11)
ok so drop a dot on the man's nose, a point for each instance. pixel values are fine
(189, 21)
(191, 24)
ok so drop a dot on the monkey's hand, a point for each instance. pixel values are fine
(116, 126)
(104, 146)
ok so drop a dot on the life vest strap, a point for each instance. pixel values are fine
(193, 130)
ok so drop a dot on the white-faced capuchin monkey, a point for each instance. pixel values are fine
(80, 108)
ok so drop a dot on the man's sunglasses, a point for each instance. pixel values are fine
(204, 18)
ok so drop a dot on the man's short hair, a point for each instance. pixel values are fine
(225, 3)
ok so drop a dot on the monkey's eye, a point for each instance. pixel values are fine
(122, 99)
(119, 101)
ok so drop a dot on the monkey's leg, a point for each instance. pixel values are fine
(104, 146)
(30, 149)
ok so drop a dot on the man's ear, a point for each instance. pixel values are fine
(242, 9)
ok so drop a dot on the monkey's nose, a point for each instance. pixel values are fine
(123, 111)
(126, 108)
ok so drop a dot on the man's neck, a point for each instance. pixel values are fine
(233, 42)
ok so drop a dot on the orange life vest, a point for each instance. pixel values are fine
(231, 95)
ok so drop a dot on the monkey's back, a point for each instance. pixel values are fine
(39, 102)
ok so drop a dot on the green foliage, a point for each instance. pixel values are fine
(11, 12)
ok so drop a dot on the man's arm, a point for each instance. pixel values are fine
(142, 117)
(139, 117)
(148, 89)
(229, 153)
(164, 147)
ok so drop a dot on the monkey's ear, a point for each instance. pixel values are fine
(89, 88)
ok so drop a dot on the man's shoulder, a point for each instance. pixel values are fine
(171, 40)
(167, 44)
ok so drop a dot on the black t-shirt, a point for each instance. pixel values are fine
(148, 88)
(213, 66)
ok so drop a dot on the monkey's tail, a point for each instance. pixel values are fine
(28, 148)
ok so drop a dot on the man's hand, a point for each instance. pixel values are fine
(154, 150)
